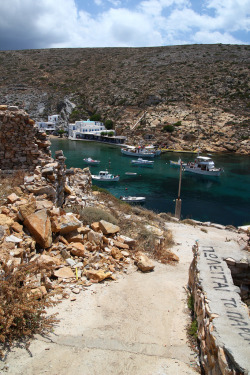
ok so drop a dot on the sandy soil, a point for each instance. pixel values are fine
(133, 326)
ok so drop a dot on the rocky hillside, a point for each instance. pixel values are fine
(202, 90)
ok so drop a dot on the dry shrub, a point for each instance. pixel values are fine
(189, 222)
(9, 184)
(162, 252)
(157, 247)
(167, 216)
(22, 313)
(89, 215)
(146, 239)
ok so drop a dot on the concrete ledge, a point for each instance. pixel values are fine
(223, 319)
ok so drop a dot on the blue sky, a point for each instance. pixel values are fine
(30, 24)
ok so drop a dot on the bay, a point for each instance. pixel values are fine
(224, 200)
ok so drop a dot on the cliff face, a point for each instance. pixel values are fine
(202, 89)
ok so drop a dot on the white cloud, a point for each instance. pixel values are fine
(204, 37)
(44, 24)
(231, 14)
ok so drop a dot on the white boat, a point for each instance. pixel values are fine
(177, 163)
(157, 151)
(143, 162)
(91, 161)
(131, 173)
(105, 176)
(130, 199)
(138, 151)
(203, 165)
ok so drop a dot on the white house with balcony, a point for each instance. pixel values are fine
(50, 125)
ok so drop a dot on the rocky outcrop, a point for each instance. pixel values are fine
(203, 87)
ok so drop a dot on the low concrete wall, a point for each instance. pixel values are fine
(223, 319)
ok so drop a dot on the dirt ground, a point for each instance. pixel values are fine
(135, 325)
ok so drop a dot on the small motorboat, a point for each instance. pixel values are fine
(131, 199)
(177, 163)
(142, 162)
(105, 176)
(130, 173)
(91, 161)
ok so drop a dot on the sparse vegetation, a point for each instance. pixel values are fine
(90, 215)
(22, 305)
(168, 128)
(10, 184)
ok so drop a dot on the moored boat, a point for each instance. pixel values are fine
(203, 165)
(142, 162)
(91, 161)
(177, 163)
(132, 199)
(138, 151)
(105, 176)
(130, 173)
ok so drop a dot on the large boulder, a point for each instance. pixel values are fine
(65, 223)
(108, 228)
(39, 226)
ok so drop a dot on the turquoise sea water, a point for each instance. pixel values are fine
(224, 200)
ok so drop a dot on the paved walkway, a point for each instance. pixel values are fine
(133, 326)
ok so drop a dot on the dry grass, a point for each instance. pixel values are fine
(22, 312)
(89, 215)
(10, 184)
(189, 222)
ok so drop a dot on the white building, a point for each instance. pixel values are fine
(93, 131)
(50, 125)
(86, 127)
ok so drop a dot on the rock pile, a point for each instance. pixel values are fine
(33, 230)
(22, 145)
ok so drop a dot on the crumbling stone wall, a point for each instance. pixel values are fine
(22, 145)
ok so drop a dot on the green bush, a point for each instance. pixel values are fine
(178, 123)
(95, 117)
(109, 124)
(101, 190)
(168, 128)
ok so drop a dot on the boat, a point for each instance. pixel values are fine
(177, 163)
(131, 173)
(131, 199)
(105, 176)
(203, 165)
(143, 162)
(138, 151)
(157, 151)
(91, 161)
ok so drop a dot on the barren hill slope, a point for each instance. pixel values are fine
(203, 89)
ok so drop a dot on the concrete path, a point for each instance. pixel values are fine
(133, 326)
